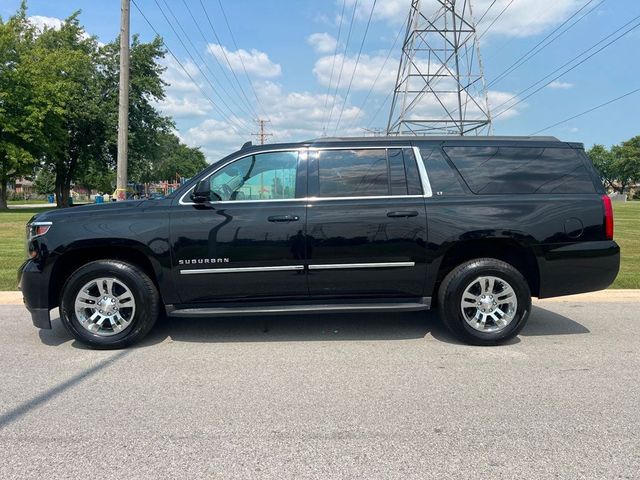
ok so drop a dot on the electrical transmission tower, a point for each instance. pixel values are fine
(440, 87)
(262, 134)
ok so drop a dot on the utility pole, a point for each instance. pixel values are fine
(123, 103)
(262, 135)
(440, 87)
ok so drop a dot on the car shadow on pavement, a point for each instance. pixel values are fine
(319, 327)
(545, 322)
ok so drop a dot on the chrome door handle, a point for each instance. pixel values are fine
(403, 213)
(284, 218)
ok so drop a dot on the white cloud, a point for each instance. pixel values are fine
(180, 107)
(42, 22)
(322, 42)
(294, 116)
(256, 63)
(178, 78)
(523, 17)
(499, 101)
(390, 10)
(556, 84)
(183, 95)
(367, 70)
(298, 113)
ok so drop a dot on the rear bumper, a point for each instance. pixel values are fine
(35, 291)
(566, 269)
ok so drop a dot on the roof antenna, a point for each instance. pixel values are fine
(246, 145)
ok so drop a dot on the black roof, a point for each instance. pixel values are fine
(432, 138)
(400, 139)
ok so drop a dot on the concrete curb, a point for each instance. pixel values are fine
(11, 298)
(603, 296)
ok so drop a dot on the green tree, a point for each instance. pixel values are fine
(627, 163)
(64, 62)
(175, 159)
(20, 121)
(146, 124)
(603, 160)
(45, 182)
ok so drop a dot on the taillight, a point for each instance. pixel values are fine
(608, 217)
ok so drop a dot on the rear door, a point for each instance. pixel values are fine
(366, 223)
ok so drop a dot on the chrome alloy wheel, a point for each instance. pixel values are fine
(489, 304)
(105, 306)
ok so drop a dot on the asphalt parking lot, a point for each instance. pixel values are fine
(349, 396)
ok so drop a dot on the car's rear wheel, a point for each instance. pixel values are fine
(484, 301)
(109, 304)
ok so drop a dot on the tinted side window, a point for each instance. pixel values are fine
(414, 185)
(397, 175)
(513, 170)
(266, 176)
(441, 176)
(353, 173)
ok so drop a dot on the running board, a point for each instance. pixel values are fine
(289, 309)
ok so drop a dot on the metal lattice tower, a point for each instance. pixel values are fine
(440, 87)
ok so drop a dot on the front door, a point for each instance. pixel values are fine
(249, 241)
(366, 223)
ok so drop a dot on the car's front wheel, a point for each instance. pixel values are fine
(484, 301)
(109, 304)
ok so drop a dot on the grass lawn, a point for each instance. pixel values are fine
(27, 202)
(12, 246)
(627, 234)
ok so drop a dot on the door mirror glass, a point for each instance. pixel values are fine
(202, 192)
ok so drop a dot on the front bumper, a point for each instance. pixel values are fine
(581, 267)
(34, 285)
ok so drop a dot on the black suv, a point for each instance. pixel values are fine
(474, 225)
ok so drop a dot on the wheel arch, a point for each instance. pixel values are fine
(76, 256)
(509, 250)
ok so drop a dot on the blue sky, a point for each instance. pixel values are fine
(287, 48)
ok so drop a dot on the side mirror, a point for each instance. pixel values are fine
(202, 192)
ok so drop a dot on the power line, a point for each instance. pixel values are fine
(344, 56)
(375, 115)
(224, 53)
(364, 37)
(568, 63)
(333, 62)
(587, 111)
(177, 22)
(220, 66)
(532, 52)
(204, 94)
(244, 68)
(485, 12)
(494, 20)
(366, 98)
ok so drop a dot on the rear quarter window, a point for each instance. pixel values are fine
(442, 177)
(521, 170)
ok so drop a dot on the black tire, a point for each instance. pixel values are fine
(454, 285)
(145, 294)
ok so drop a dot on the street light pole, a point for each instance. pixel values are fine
(123, 103)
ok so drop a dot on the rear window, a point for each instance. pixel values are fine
(513, 170)
(353, 173)
(367, 172)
